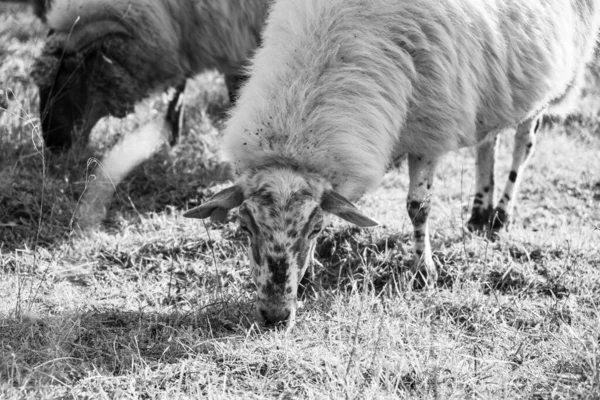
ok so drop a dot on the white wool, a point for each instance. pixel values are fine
(124, 157)
(340, 87)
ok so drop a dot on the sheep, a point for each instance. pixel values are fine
(103, 56)
(339, 88)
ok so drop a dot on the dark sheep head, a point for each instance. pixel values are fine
(81, 78)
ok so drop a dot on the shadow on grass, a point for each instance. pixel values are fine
(40, 191)
(354, 257)
(165, 181)
(39, 195)
(67, 348)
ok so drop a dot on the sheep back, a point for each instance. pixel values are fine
(341, 86)
(177, 38)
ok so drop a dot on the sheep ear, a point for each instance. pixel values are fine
(218, 205)
(337, 204)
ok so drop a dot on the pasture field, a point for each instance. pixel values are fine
(154, 306)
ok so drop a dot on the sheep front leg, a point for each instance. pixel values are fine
(483, 203)
(421, 170)
(523, 149)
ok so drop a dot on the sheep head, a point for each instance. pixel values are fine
(283, 212)
(81, 79)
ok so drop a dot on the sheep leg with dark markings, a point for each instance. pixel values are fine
(421, 170)
(483, 203)
(523, 149)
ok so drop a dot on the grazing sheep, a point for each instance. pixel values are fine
(341, 87)
(103, 56)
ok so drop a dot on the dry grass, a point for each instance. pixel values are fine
(152, 305)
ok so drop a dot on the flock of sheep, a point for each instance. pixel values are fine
(332, 91)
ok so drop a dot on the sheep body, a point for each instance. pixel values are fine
(140, 47)
(342, 86)
(181, 38)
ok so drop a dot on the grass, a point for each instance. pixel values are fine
(152, 305)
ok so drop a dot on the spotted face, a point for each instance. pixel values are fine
(283, 212)
(283, 218)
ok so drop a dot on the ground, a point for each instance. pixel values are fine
(152, 305)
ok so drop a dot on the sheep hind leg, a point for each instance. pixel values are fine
(421, 170)
(483, 203)
(175, 113)
(523, 149)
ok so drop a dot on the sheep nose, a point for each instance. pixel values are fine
(272, 317)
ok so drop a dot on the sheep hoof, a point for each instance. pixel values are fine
(87, 218)
(480, 221)
(423, 274)
(500, 219)
(488, 222)
(94, 204)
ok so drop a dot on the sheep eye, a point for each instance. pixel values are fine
(245, 228)
(316, 230)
